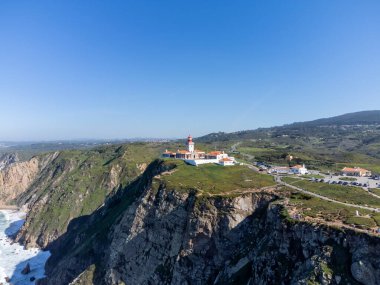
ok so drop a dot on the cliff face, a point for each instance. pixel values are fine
(16, 177)
(148, 234)
(7, 159)
(73, 184)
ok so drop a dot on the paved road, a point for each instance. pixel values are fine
(234, 146)
(278, 180)
(372, 183)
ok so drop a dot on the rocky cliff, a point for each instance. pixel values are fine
(16, 177)
(148, 233)
(8, 159)
(56, 187)
(75, 183)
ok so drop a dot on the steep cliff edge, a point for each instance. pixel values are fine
(75, 183)
(16, 177)
(7, 159)
(152, 232)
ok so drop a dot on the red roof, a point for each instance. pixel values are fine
(356, 169)
(214, 153)
(226, 159)
(297, 166)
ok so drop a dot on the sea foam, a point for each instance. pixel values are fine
(13, 257)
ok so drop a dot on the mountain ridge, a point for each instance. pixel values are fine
(371, 117)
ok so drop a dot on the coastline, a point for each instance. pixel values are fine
(13, 256)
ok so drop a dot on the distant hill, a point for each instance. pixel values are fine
(357, 118)
(326, 126)
(350, 138)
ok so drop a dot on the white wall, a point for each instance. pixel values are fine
(196, 162)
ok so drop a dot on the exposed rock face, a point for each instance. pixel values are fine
(26, 269)
(147, 234)
(16, 178)
(73, 184)
(7, 159)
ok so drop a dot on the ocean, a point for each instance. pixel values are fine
(13, 257)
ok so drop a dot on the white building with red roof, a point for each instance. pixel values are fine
(196, 157)
(356, 171)
(299, 169)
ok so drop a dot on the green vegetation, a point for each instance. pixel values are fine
(316, 176)
(348, 194)
(326, 269)
(214, 179)
(332, 212)
(327, 144)
(361, 221)
(348, 179)
(375, 191)
(77, 182)
(86, 277)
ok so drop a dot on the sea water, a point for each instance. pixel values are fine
(13, 256)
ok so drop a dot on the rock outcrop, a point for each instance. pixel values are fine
(26, 269)
(16, 178)
(8, 159)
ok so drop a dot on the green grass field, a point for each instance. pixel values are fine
(329, 211)
(375, 191)
(214, 179)
(348, 194)
(347, 179)
(316, 176)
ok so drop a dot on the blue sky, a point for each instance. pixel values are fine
(119, 69)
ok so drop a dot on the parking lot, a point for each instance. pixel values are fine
(365, 182)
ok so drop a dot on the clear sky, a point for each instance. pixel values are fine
(119, 69)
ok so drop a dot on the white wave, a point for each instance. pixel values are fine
(14, 257)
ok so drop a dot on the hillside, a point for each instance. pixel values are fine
(159, 230)
(343, 124)
(108, 216)
(57, 187)
(322, 144)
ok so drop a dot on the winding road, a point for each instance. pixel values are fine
(279, 181)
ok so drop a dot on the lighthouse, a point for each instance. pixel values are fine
(190, 144)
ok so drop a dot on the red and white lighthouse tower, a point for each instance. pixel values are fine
(190, 144)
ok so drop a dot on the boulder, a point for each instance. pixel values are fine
(26, 270)
(363, 273)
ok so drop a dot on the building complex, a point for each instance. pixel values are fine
(196, 157)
